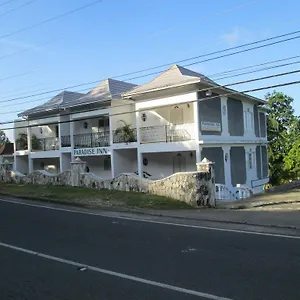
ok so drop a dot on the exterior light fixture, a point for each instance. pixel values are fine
(208, 93)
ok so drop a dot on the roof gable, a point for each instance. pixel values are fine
(174, 76)
(107, 90)
(54, 103)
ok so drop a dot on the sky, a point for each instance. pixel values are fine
(115, 37)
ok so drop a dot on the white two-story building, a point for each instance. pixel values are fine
(154, 130)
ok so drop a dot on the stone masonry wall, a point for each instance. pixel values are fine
(195, 188)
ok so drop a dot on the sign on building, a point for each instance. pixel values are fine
(210, 126)
(91, 151)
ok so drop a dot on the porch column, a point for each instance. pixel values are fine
(29, 134)
(72, 139)
(196, 122)
(227, 166)
(224, 116)
(140, 163)
(198, 154)
(137, 122)
(30, 164)
(112, 163)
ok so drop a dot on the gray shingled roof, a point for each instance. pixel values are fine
(55, 103)
(174, 76)
(107, 90)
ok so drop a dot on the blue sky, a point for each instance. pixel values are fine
(115, 37)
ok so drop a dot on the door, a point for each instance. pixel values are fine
(179, 164)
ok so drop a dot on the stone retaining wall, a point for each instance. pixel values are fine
(195, 188)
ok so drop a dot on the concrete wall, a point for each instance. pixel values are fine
(65, 162)
(125, 111)
(164, 164)
(125, 161)
(50, 165)
(21, 164)
(176, 114)
(96, 166)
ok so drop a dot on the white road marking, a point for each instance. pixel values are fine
(154, 221)
(115, 274)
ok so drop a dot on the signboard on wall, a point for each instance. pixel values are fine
(210, 126)
(91, 151)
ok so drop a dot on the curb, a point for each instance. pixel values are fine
(142, 212)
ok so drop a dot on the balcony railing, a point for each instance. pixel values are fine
(91, 140)
(65, 141)
(167, 133)
(128, 136)
(45, 144)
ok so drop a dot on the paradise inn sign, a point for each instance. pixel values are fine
(91, 151)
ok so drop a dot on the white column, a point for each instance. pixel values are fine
(72, 129)
(140, 163)
(30, 164)
(196, 121)
(227, 166)
(224, 116)
(29, 144)
(137, 122)
(198, 154)
(111, 136)
(112, 162)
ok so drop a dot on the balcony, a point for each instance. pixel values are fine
(167, 133)
(45, 144)
(65, 141)
(125, 136)
(91, 140)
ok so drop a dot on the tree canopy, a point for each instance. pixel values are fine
(3, 138)
(283, 138)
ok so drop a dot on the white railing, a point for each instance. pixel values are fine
(242, 192)
(223, 193)
(167, 133)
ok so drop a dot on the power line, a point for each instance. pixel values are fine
(230, 76)
(17, 8)
(259, 70)
(50, 19)
(27, 49)
(202, 90)
(151, 108)
(157, 72)
(18, 75)
(7, 2)
(252, 66)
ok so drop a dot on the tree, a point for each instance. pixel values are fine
(283, 128)
(3, 138)
(125, 133)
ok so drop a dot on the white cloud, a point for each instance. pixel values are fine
(236, 36)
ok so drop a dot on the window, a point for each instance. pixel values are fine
(235, 117)
(262, 168)
(107, 164)
(249, 121)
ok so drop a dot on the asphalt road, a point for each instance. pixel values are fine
(131, 259)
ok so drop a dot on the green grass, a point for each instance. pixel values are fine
(91, 197)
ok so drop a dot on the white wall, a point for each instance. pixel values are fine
(96, 166)
(64, 125)
(162, 116)
(92, 126)
(21, 164)
(65, 162)
(51, 165)
(122, 113)
(44, 131)
(125, 161)
(160, 165)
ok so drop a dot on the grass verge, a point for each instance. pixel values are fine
(91, 197)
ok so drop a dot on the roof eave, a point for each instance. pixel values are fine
(128, 95)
